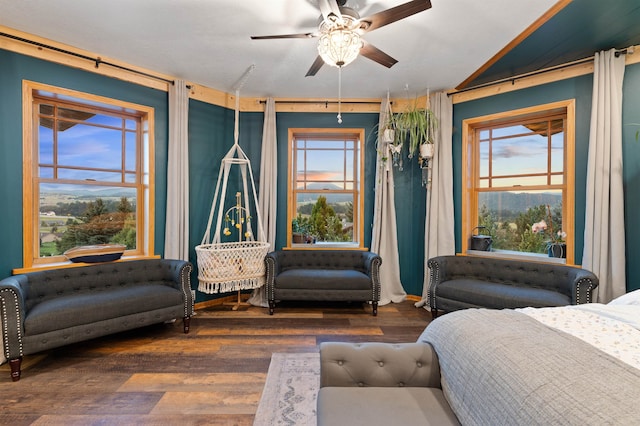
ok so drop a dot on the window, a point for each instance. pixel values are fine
(519, 181)
(326, 188)
(88, 174)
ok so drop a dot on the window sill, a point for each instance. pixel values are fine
(63, 265)
(506, 254)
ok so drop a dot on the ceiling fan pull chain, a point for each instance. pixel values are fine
(339, 94)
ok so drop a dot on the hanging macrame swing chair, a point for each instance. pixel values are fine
(232, 265)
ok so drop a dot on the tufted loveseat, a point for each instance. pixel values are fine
(459, 282)
(48, 309)
(323, 275)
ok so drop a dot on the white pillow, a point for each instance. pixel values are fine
(631, 298)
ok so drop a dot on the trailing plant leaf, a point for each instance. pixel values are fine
(415, 126)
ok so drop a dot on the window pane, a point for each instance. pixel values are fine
(46, 109)
(90, 175)
(46, 172)
(106, 120)
(75, 215)
(484, 159)
(557, 152)
(501, 132)
(326, 217)
(45, 139)
(130, 151)
(518, 181)
(324, 144)
(519, 155)
(90, 146)
(509, 217)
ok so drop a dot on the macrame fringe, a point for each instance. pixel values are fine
(229, 286)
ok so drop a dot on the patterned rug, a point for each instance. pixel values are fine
(290, 392)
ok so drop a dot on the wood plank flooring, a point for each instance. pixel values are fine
(214, 375)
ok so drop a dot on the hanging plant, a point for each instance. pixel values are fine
(416, 126)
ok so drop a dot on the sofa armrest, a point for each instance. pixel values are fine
(272, 268)
(437, 273)
(372, 262)
(583, 284)
(378, 365)
(12, 303)
(180, 271)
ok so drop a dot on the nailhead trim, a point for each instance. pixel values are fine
(5, 322)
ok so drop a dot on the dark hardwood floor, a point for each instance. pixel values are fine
(214, 375)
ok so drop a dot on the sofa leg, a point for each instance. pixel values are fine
(15, 368)
(186, 322)
(434, 313)
(272, 306)
(374, 306)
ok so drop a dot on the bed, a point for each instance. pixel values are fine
(561, 365)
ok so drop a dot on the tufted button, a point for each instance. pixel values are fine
(419, 364)
(340, 362)
(361, 384)
(401, 384)
(381, 364)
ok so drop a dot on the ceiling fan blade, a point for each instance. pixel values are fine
(271, 37)
(394, 14)
(328, 8)
(315, 67)
(371, 52)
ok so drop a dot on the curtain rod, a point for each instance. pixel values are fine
(96, 60)
(625, 51)
(323, 102)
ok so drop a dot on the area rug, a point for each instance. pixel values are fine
(290, 391)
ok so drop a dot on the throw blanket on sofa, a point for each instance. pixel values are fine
(503, 367)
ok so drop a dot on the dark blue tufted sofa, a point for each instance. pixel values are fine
(459, 282)
(323, 275)
(47, 309)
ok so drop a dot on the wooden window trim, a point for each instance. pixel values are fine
(145, 189)
(470, 162)
(326, 134)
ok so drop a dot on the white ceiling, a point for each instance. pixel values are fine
(207, 41)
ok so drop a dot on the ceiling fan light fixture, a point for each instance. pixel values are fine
(339, 47)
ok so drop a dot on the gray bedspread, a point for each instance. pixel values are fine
(505, 368)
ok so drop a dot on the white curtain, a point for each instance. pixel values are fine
(604, 239)
(176, 243)
(384, 238)
(439, 237)
(268, 196)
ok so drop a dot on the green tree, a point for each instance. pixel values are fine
(349, 213)
(325, 224)
(99, 226)
(320, 215)
(125, 206)
(94, 209)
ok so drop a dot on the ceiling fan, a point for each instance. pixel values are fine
(340, 32)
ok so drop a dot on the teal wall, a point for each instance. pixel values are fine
(580, 89)
(13, 69)
(211, 136)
